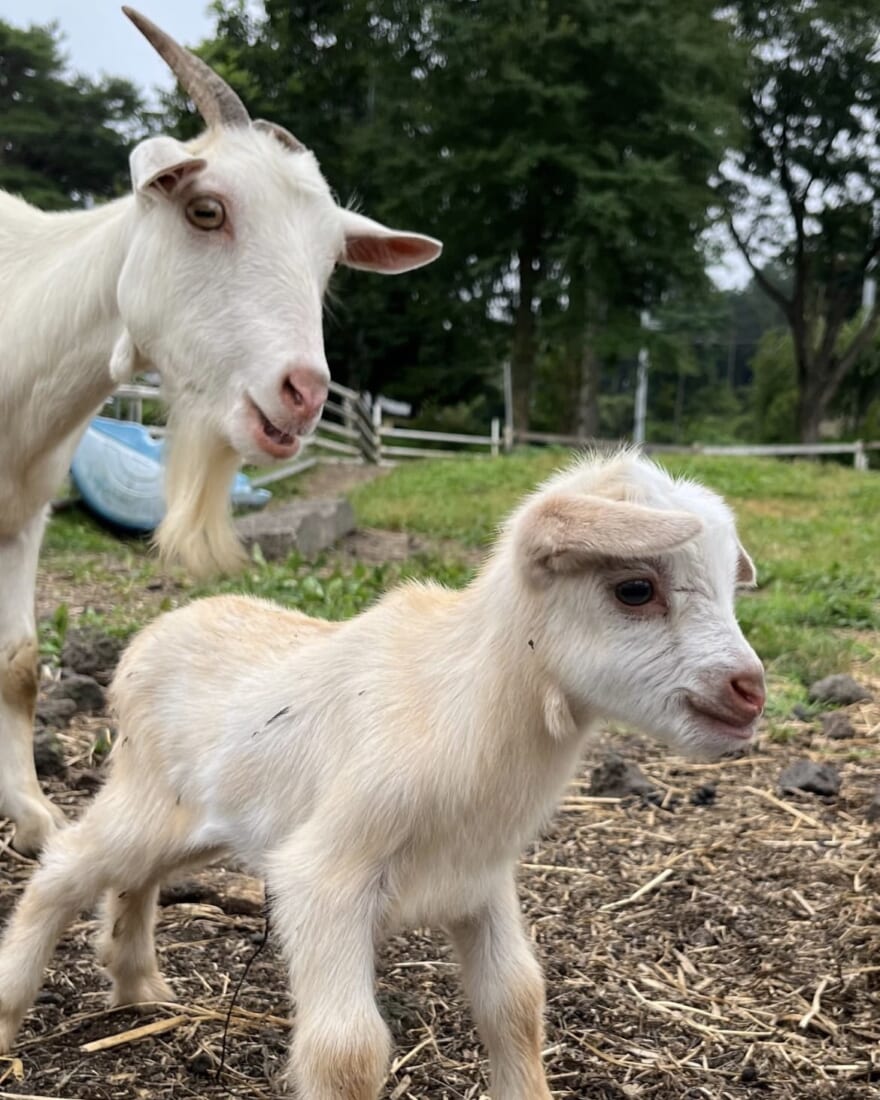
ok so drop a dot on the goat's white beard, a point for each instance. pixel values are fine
(197, 529)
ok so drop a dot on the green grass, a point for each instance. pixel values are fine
(813, 530)
(329, 589)
(459, 499)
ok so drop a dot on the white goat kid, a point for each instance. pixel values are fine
(213, 271)
(385, 772)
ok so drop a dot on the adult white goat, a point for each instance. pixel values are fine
(386, 771)
(213, 271)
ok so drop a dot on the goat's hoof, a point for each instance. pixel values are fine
(33, 833)
(8, 1031)
(145, 990)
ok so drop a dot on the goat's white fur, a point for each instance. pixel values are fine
(386, 771)
(91, 296)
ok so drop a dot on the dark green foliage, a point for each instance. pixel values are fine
(810, 110)
(561, 152)
(65, 140)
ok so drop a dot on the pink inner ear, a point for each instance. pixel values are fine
(169, 182)
(745, 569)
(389, 254)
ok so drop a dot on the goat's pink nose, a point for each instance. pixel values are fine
(746, 693)
(305, 391)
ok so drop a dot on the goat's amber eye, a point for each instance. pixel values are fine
(205, 213)
(634, 593)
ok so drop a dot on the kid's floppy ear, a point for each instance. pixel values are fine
(159, 165)
(746, 574)
(370, 246)
(564, 532)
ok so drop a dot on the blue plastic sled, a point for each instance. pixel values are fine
(117, 469)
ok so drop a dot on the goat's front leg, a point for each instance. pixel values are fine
(327, 909)
(504, 983)
(20, 796)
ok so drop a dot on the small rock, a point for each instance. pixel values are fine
(90, 780)
(615, 778)
(85, 692)
(92, 653)
(805, 775)
(705, 795)
(799, 711)
(304, 525)
(55, 712)
(202, 1063)
(233, 892)
(50, 997)
(48, 756)
(837, 725)
(840, 689)
(872, 814)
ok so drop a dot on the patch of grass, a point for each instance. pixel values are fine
(73, 531)
(329, 589)
(456, 498)
(813, 529)
(52, 633)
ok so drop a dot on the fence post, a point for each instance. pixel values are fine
(496, 436)
(508, 407)
(860, 457)
(377, 430)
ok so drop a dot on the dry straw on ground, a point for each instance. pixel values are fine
(730, 949)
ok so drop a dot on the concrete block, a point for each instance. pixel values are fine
(307, 526)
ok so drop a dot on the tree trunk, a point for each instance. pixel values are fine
(809, 420)
(522, 358)
(811, 410)
(679, 404)
(590, 364)
(588, 391)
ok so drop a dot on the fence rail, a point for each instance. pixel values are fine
(858, 448)
(354, 428)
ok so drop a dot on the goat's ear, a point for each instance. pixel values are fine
(370, 246)
(746, 574)
(564, 532)
(159, 165)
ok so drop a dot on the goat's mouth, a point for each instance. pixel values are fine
(271, 439)
(720, 720)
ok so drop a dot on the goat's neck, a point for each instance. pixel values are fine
(510, 684)
(60, 319)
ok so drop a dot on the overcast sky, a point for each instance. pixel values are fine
(99, 39)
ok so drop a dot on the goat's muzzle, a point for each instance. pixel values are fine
(736, 704)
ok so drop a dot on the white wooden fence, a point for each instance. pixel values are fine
(858, 449)
(355, 428)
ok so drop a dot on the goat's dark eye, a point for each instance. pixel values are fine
(205, 213)
(634, 593)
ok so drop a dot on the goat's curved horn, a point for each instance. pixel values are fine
(215, 101)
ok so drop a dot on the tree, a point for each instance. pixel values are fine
(574, 144)
(802, 188)
(64, 140)
(561, 152)
(340, 75)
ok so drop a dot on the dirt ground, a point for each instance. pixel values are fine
(714, 945)
(722, 941)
